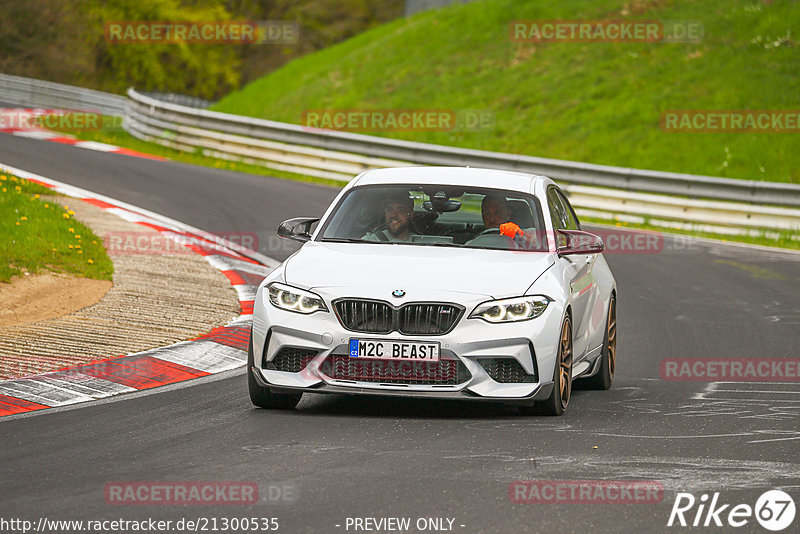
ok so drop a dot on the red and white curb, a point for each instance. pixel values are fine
(21, 122)
(222, 349)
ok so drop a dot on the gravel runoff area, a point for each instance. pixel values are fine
(156, 299)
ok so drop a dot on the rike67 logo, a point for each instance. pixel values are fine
(774, 510)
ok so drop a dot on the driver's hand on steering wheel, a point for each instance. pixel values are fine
(511, 230)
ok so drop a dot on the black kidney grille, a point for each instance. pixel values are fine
(376, 317)
(365, 316)
(505, 370)
(427, 319)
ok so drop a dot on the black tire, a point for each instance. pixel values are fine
(608, 359)
(264, 397)
(558, 401)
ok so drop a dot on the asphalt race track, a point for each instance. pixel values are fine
(345, 457)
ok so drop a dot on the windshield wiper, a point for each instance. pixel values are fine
(437, 244)
(343, 240)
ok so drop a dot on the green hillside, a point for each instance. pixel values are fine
(584, 101)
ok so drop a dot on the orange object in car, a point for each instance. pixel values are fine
(511, 230)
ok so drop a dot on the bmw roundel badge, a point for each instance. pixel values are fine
(398, 293)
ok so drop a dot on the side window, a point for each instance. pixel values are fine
(557, 211)
(558, 216)
(573, 222)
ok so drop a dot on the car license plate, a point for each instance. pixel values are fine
(394, 350)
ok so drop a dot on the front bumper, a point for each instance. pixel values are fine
(541, 392)
(533, 344)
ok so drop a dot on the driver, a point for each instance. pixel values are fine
(398, 212)
(496, 213)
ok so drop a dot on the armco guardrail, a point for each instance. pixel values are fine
(37, 93)
(714, 203)
(209, 124)
(181, 100)
(718, 204)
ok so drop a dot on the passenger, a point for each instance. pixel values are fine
(398, 213)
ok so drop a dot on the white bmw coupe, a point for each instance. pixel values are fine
(453, 283)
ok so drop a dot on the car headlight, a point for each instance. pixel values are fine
(294, 300)
(510, 310)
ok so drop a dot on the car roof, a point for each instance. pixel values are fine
(467, 176)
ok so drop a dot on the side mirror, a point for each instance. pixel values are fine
(298, 228)
(578, 242)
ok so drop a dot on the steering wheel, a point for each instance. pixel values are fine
(496, 231)
(489, 231)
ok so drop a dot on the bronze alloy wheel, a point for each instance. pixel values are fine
(604, 376)
(556, 403)
(611, 337)
(565, 365)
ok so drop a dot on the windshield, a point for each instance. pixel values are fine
(438, 216)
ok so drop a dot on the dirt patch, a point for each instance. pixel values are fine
(156, 300)
(37, 297)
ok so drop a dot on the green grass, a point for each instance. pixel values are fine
(42, 235)
(591, 102)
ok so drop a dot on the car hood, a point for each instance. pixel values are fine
(423, 272)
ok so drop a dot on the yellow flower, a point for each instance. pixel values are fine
(17, 223)
(4, 190)
(90, 261)
(80, 251)
(72, 230)
(3, 178)
(47, 205)
(94, 242)
(71, 212)
(77, 246)
(18, 188)
(37, 195)
(14, 179)
(77, 236)
(23, 218)
(66, 216)
(70, 246)
(66, 207)
(54, 250)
